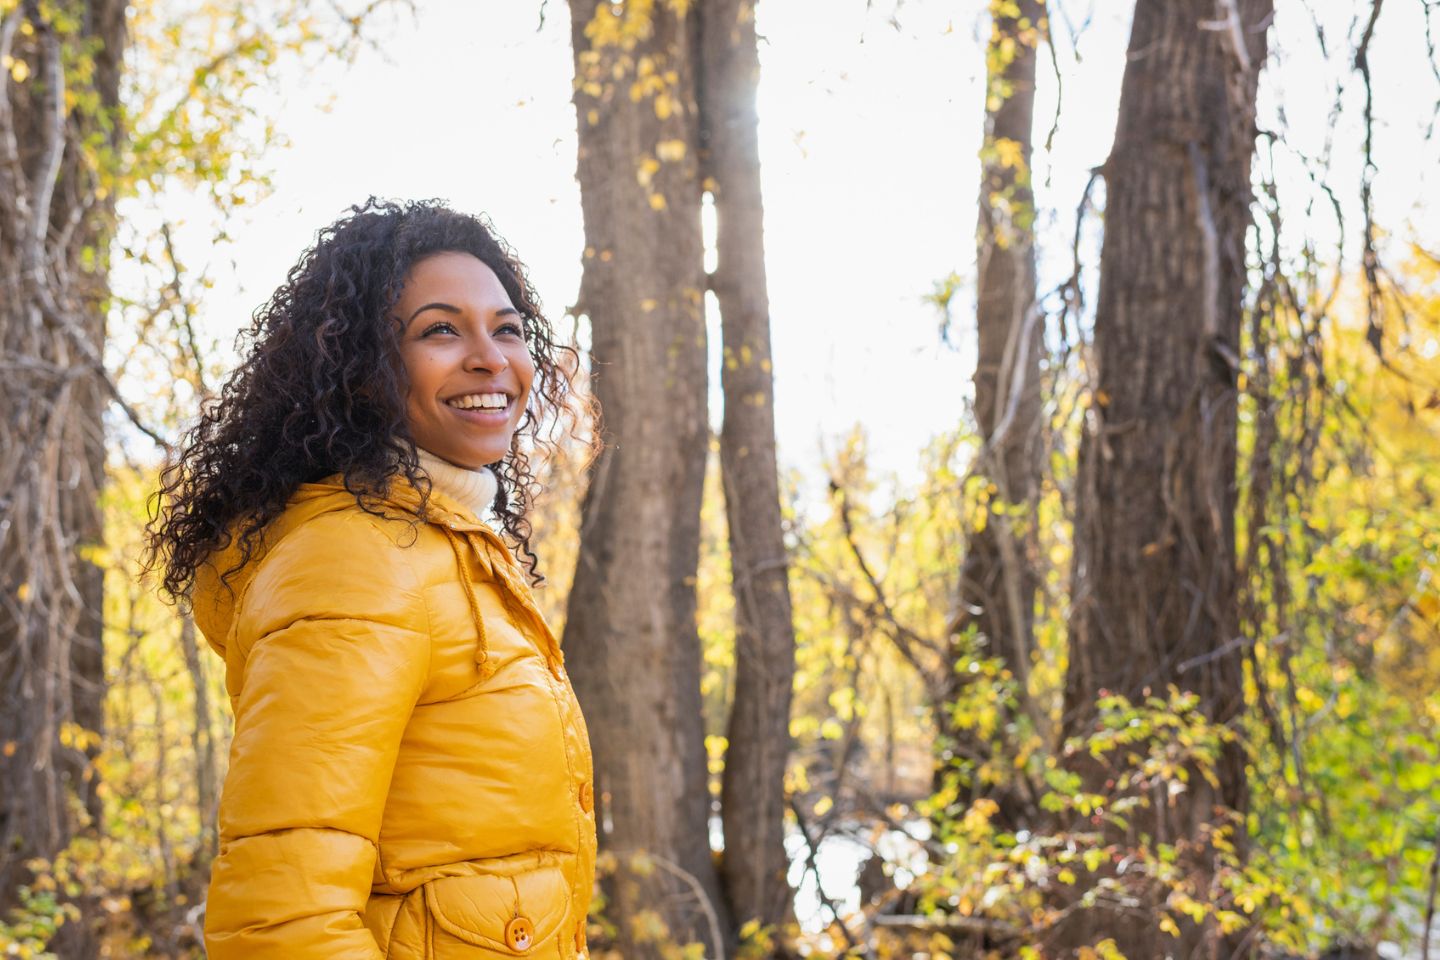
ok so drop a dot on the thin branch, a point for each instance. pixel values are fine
(1234, 29)
(812, 854)
(187, 319)
(905, 640)
(1430, 900)
(47, 174)
(1049, 38)
(12, 174)
(1370, 260)
(94, 362)
(879, 604)
(706, 906)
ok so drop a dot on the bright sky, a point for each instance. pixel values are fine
(868, 143)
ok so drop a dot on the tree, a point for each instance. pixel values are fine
(59, 130)
(753, 792)
(998, 577)
(1154, 583)
(630, 631)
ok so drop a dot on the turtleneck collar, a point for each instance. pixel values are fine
(473, 489)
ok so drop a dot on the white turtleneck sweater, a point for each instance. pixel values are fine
(473, 489)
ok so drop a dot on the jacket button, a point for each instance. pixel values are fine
(518, 934)
(587, 797)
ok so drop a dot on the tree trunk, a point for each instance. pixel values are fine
(630, 635)
(55, 229)
(755, 865)
(202, 739)
(1154, 578)
(998, 581)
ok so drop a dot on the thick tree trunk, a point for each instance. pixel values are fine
(630, 636)
(753, 792)
(55, 229)
(1154, 577)
(998, 581)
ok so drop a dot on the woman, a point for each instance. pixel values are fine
(410, 775)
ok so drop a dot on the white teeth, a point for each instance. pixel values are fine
(481, 401)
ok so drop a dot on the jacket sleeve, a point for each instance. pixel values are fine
(339, 653)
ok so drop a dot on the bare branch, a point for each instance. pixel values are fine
(12, 174)
(52, 133)
(1059, 85)
(182, 303)
(812, 864)
(1370, 259)
(1234, 29)
(706, 906)
(905, 637)
(1430, 899)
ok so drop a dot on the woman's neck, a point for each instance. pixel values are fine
(473, 489)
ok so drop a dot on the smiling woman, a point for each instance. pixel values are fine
(396, 689)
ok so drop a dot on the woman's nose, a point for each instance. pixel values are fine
(486, 356)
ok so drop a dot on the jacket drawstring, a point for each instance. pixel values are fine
(515, 595)
(482, 649)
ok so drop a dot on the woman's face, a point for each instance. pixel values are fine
(462, 343)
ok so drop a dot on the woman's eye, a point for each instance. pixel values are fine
(511, 328)
(439, 328)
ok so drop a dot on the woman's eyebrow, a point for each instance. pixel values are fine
(447, 307)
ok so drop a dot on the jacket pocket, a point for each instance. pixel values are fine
(496, 916)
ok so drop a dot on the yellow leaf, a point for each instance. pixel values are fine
(1009, 153)
(1168, 925)
(657, 201)
(670, 150)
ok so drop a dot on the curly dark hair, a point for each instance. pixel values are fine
(322, 391)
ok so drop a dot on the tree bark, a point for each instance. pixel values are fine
(630, 635)
(1154, 578)
(998, 579)
(55, 228)
(755, 865)
(202, 739)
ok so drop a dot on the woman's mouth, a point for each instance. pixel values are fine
(482, 407)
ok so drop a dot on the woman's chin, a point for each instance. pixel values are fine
(469, 458)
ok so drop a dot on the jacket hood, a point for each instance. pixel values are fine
(214, 603)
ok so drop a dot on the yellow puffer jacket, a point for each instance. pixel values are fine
(410, 775)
